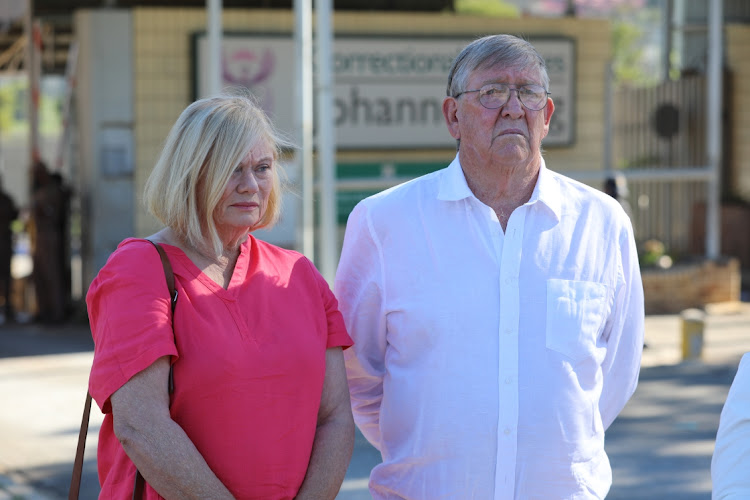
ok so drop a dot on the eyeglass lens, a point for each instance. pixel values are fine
(496, 95)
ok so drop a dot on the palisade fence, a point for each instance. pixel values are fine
(663, 129)
(658, 141)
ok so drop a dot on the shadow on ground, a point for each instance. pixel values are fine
(661, 445)
(33, 339)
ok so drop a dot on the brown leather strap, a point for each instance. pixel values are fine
(75, 482)
(168, 274)
(139, 483)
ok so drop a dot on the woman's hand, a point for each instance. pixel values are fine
(334, 436)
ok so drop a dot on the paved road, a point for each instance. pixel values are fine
(660, 446)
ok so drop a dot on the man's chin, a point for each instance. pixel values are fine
(510, 150)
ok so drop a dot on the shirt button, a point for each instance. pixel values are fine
(509, 380)
(506, 431)
(508, 331)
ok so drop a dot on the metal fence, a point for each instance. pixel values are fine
(659, 143)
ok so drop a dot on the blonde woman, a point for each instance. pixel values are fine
(260, 407)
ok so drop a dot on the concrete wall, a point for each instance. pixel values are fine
(738, 61)
(104, 111)
(162, 77)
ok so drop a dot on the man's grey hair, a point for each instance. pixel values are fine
(494, 50)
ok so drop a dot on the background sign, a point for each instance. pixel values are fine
(388, 92)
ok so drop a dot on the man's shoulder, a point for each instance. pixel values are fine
(407, 193)
(575, 192)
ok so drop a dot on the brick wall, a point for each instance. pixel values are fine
(691, 285)
(163, 79)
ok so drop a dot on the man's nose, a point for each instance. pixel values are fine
(513, 106)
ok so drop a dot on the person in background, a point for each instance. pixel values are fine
(66, 194)
(496, 306)
(730, 464)
(617, 187)
(8, 214)
(48, 213)
(260, 407)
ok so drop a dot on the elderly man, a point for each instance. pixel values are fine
(496, 306)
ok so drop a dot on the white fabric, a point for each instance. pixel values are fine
(730, 466)
(488, 364)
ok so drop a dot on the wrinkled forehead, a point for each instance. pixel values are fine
(499, 73)
(259, 148)
(531, 62)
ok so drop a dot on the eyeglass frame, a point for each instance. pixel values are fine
(510, 89)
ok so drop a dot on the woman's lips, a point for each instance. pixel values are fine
(245, 206)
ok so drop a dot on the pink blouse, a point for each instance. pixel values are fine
(249, 361)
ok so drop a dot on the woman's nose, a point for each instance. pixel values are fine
(248, 182)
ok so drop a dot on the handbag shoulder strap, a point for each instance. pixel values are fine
(168, 274)
(75, 482)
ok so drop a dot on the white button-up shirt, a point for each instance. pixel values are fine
(730, 465)
(488, 364)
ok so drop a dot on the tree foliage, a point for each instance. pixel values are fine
(493, 8)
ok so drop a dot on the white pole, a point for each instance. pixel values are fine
(304, 125)
(713, 130)
(33, 70)
(608, 105)
(326, 139)
(213, 31)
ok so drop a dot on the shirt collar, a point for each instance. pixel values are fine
(453, 184)
(547, 191)
(453, 187)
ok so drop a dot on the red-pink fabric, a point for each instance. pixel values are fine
(249, 361)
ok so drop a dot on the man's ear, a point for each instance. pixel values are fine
(548, 111)
(450, 112)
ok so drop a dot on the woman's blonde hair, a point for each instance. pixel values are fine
(209, 140)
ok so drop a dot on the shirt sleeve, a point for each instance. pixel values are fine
(729, 465)
(621, 366)
(359, 288)
(130, 318)
(337, 333)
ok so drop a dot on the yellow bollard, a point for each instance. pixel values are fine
(693, 321)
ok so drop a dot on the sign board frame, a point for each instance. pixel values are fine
(388, 90)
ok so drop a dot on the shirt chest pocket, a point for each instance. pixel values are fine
(575, 315)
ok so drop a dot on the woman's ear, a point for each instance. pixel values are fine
(450, 112)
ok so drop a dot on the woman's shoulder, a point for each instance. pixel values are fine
(131, 274)
(134, 259)
(271, 251)
(132, 251)
(278, 258)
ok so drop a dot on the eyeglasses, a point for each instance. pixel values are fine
(495, 95)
